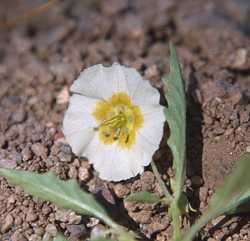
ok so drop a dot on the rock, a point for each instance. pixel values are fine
(51, 230)
(62, 215)
(66, 149)
(244, 116)
(203, 194)
(92, 222)
(17, 236)
(8, 163)
(72, 172)
(35, 237)
(83, 174)
(142, 217)
(74, 218)
(18, 117)
(39, 150)
(248, 149)
(63, 96)
(17, 157)
(121, 190)
(240, 58)
(7, 223)
(39, 231)
(147, 181)
(31, 217)
(97, 231)
(77, 231)
(46, 210)
(18, 220)
(67, 216)
(26, 154)
(64, 157)
(158, 225)
(151, 72)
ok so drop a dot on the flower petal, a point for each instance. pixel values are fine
(112, 162)
(78, 123)
(149, 136)
(145, 94)
(133, 80)
(100, 82)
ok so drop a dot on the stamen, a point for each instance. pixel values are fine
(118, 120)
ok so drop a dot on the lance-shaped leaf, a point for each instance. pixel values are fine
(60, 237)
(176, 117)
(235, 189)
(241, 205)
(143, 197)
(65, 194)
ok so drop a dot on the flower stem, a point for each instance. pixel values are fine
(160, 181)
(175, 221)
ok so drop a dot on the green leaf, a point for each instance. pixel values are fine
(126, 236)
(59, 237)
(241, 205)
(100, 238)
(176, 117)
(235, 190)
(143, 197)
(65, 194)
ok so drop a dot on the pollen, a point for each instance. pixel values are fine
(118, 120)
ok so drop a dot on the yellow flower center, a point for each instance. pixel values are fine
(118, 120)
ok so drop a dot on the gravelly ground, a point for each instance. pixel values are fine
(39, 60)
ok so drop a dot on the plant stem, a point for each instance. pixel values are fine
(175, 214)
(161, 183)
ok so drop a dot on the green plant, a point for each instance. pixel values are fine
(229, 198)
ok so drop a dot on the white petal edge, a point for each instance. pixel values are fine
(145, 94)
(78, 123)
(112, 162)
(150, 134)
(100, 82)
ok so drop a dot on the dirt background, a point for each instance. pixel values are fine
(41, 56)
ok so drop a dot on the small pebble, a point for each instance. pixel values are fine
(8, 163)
(18, 117)
(63, 96)
(83, 174)
(7, 224)
(31, 217)
(26, 154)
(17, 236)
(77, 231)
(51, 229)
(121, 190)
(97, 231)
(35, 237)
(39, 150)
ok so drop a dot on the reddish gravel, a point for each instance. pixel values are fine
(40, 58)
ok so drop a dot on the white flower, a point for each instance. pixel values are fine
(115, 120)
